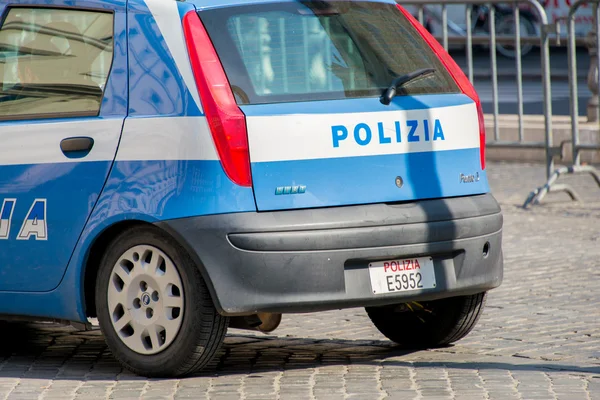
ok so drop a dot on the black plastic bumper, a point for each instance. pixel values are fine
(317, 259)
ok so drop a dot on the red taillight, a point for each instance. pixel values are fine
(226, 121)
(457, 74)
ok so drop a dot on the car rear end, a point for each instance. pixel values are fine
(358, 202)
(362, 144)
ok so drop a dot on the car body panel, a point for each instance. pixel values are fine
(154, 161)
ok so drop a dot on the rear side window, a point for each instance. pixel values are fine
(54, 62)
(317, 50)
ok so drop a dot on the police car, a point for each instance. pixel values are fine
(175, 168)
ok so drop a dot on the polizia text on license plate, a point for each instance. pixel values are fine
(402, 275)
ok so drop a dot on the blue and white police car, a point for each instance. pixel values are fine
(175, 168)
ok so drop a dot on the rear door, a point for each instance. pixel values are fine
(309, 75)
(60, 122)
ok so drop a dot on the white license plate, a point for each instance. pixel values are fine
(402, 275)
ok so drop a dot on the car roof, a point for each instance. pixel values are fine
(208, 4)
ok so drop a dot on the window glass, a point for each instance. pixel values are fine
(309, 50)
(54, 62)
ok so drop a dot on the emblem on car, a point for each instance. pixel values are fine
(469, 178)
(290, 190)
(145, 299)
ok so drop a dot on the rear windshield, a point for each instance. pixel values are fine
(320, 50)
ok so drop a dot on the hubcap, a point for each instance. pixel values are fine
(145, 299)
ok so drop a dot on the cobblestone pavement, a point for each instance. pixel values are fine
(538, 339)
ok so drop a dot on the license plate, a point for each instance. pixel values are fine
(402, 275)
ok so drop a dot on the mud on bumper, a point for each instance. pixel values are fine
(317, 259)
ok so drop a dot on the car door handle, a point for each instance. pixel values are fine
(77, 145)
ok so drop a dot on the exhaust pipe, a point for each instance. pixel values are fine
(262, 322)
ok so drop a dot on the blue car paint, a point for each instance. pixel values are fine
(36, 265)
(178, 188)
(40, 265)
(185, 8)
(186, 188)
(171, 189)
(156, 86)
(157, 190)
(427, 175)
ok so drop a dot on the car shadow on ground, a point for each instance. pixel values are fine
(51, 351)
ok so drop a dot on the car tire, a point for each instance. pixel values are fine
(505, 24)
(162, 322)
(420, 325)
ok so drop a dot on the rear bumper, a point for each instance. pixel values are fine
(317, 259)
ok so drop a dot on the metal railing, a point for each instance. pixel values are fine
(547, 33)
(576, 167)
(543, 40)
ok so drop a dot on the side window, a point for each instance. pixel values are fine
(54, 62)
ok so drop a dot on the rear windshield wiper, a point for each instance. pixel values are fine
(388, 95)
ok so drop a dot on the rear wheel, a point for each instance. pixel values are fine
(153, 306)
(428, 324)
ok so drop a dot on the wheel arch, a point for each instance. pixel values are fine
(92, 262)
(101, 243)
(197, 260)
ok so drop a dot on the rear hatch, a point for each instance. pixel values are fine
(308, 75)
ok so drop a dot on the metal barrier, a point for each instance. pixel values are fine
(543, 40)
(546, 31)
(536, 196)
